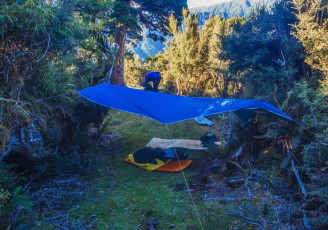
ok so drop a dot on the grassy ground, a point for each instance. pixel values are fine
(95, 189)
(131, 198)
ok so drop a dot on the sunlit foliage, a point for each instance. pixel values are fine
(193, 56)
(312, 31)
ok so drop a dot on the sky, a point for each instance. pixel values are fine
(198, 3)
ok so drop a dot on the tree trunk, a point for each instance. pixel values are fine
(117, 77)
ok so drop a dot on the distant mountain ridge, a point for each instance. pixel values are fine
(235, 8)
(147, 47)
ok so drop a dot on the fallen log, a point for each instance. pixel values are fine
(175, 143)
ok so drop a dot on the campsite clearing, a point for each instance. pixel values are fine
(111, 194)
(134, 198)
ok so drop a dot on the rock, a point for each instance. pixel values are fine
(38, 123)
(108, 139)
(211, 174)
(203, 121)
(25, 148)
(16, 144)
(229, 127)
(91, 130)
(211, 142)
(32, 142)
(208, 139)
(53, 134)
(235, 182)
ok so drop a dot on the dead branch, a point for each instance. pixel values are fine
(306, 221)
(299, 179)
(237, 153)
(44, 54)
(66, 181)
(10, 100)
(249, 220)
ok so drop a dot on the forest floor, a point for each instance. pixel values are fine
(107, 193)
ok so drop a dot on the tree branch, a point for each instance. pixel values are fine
(46, 49)
(36, 176)
(299, 179)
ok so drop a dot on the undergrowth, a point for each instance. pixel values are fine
(94, 188)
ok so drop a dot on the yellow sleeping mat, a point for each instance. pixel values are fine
(169, 166)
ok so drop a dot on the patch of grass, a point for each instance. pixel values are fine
(215, 215)
(139, 130)
(133, 196)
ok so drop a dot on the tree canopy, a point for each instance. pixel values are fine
(193, 55)
(151, 14)
(312, 31)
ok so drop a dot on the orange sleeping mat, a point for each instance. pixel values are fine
(171, 166)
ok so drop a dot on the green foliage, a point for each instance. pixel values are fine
(4, 197)
(47, 48)
(20, 199)
(263, 53)
(314, 108)
(314, 102)
(126, 15)
(12, 200)
(95, 15)
(9, 178)
(154, 14)
(41, 32)
(311, 31)
(134, 72)
(55, 77)
(31, 44)
(193, 56)
(14, 213)
(14, 14)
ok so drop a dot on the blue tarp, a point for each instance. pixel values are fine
(167, 108)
